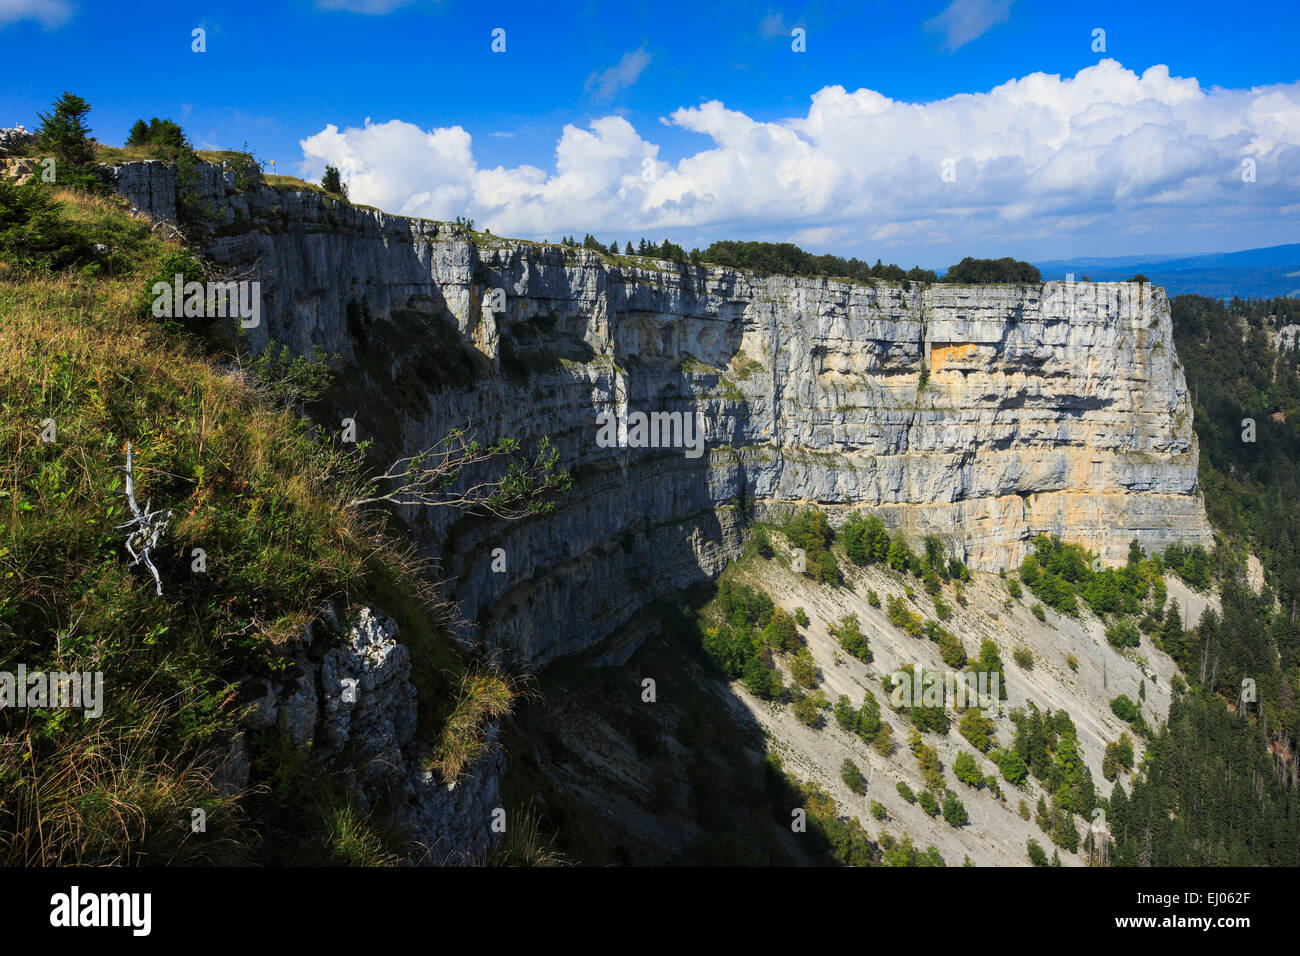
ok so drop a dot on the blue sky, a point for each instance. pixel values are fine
(553, 136)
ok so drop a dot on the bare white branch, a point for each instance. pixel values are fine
(148, 525)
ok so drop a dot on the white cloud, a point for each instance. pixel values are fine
(1102, 154)
(48, 13)
(604, 85)
(965, 20)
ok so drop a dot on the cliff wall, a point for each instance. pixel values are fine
(984, 414)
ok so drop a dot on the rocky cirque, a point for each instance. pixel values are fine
(985, 414)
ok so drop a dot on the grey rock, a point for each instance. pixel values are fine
(299, 707)
(265, 707)
(368, 699)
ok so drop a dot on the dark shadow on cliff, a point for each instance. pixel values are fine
(681, 780)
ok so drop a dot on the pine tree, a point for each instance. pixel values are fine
(333, 183)
(64, 133)
(139, 134)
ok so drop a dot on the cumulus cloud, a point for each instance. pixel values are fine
(1103, 152)
(965, 20)
(48, 13)
(604, 85)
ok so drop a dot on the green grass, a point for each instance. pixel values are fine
(245, 482)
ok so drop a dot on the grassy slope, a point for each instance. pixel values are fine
(245, 483)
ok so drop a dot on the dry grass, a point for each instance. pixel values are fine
(246, 483)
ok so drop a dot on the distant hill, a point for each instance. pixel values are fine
(1249, 273)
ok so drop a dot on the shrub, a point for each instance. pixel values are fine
(905, 792)
(929, 804)
(807, 712)
(1024, 657)
(954, 811)
(873, 599)
(1038, 612)
(1012, 766)
(34, 234)
(927, 759)
(878, 810)
(1124, 709)
(1123, 634)
(804, 669)
(828, 569)
(965, 769)
(852, 777)
(801, 617)
(781, 632)
(977, 729)
(848, 631)
(1037, 855)
(901, 616)
(761, 681)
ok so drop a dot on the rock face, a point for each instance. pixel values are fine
(349, 699)
(983, 414)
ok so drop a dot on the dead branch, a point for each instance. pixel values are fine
(148, 525)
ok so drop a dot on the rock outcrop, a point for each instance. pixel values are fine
(349, 700)
(983, 414)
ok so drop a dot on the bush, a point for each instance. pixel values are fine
(1024, 657)
(977, 729)
(901, 616)
(905, 792)
(852, 777)
(801, 617)
(1038, 612)
(761, 681)
(927, 759)
(967, 770)
(954, 811)
(804, 669)
(1123, 634)
(33, 231)
(1012, 766)
(878, 810)
(1037, 855)
(1125, 709)
(929, 804)
(782, 633)
(828, 569)
(873, 599)
(848, 631)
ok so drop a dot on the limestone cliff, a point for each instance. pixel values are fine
(985, 414)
